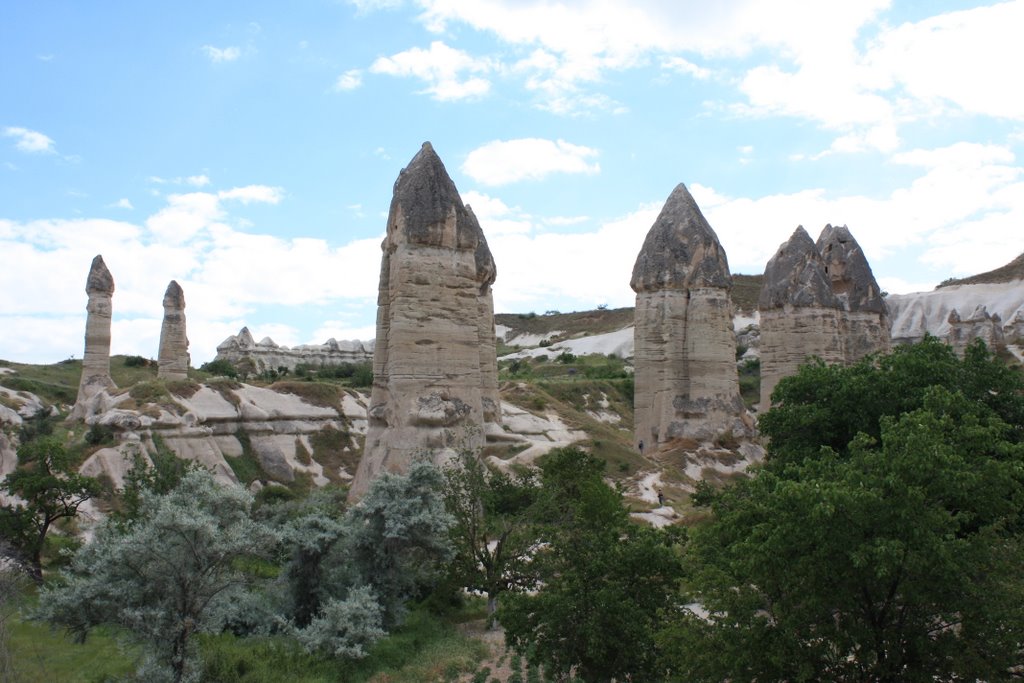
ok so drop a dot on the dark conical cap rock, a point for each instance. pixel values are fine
(100, 280)
(847, 267)
(486, 271)
(426, 209)
(681, 250)
(174, 297)
(796, 275)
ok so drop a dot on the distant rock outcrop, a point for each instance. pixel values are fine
(686, 385)
(980, 324)
(243, 352)
(435, 376)
(173, 356)
(914, 315)
(864, 317)
(96, 379)
(800, 314)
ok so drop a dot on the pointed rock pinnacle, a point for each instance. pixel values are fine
(681, 250)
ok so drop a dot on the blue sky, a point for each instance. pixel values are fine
(248, 149)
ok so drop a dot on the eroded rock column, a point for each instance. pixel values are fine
(173, 359)
(435, 328)
(800, 316)
(686, 384)
(864, 316)
(96, 360)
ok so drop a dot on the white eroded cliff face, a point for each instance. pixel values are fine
(915, 314)
(435, 377)
(684, 345)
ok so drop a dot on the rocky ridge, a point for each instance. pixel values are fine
(252, 357)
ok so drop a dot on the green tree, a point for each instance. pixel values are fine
(49, 490)
(171, 573)
(493, 531)
(603, 581)
(892, 556)
(398, 537)
(828, 405)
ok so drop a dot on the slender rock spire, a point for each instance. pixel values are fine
(96, 360)
(173, 357)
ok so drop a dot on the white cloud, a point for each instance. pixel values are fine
(30, 141)
(197, 180)
(226, 54)
(122, 203)
(507, 161)
(495, 216)
(955, 59)
(686, 67)
(253, 193)
(350, 80)
(442, 68)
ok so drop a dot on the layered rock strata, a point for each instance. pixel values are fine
(242, 351)
(800, 314)
(173, 356)
(686, 384)
(864, 316)
(95, 381)
(434, 366)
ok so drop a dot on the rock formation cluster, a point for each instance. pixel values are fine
(818, 299)
(173, 358)
(99, 286)
(434, 365)
(980, 324)
(686, 385)
(242, 351)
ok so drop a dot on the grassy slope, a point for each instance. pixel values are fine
(426, 647)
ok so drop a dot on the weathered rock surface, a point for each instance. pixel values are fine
(800, 315)
(173, 357)
(915, 314)
(980, 324)
(684, 344)
(864, 317)
(96, 361)
(280, 431)
(435, 330)
(243, 352)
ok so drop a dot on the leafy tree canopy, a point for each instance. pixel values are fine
(604, 582)
(49, 489)
(166, 575)
(892, 556)
(828, 405)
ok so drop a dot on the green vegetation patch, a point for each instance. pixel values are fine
(323, 394)
(329, 449)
